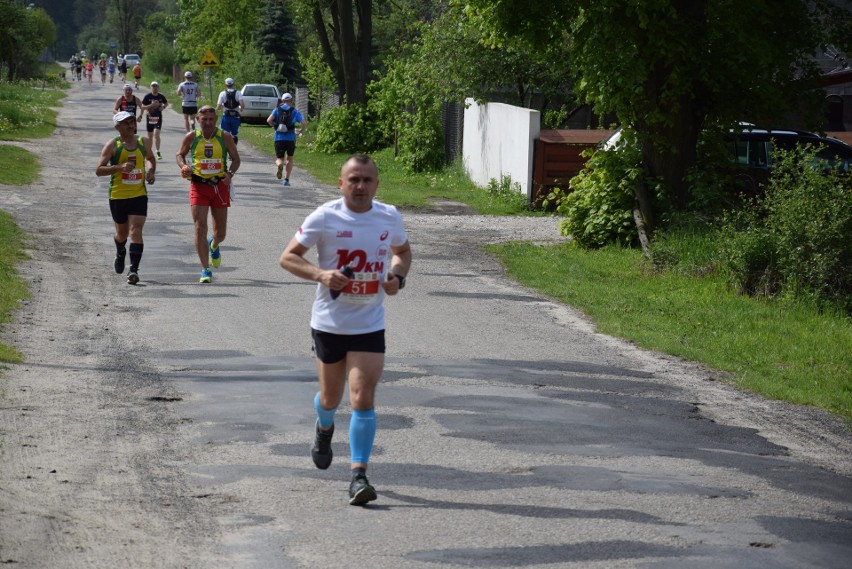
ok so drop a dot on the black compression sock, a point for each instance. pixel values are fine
(360, 470)
(119, 247)
(136, 254)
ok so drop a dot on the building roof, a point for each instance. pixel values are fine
(585, 136)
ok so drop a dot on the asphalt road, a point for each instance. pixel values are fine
(167, 424)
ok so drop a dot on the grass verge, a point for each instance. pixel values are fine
(25, 112)
(18, 167)
(780, 350)
(25, 109)
(12, 288)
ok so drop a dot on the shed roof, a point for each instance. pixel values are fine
(585, 136)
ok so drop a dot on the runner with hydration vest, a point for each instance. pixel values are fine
(230, 102)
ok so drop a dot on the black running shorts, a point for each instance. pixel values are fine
(283, 147)
(121, 209)
(331, 348)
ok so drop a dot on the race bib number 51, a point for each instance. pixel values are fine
(362, 289)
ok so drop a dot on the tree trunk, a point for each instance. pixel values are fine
(669, 147)
(327, 51)
(644, 236)
(353, 46)
(644, 206)
(365, 45)
(670, 164)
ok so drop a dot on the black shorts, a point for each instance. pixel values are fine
(193, 110)
(151, 127)
(284, 147)
(331, 348)
(121, 209)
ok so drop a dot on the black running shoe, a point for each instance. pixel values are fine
(321, 451)
(360, 491)
(118, 264)
(133, 276)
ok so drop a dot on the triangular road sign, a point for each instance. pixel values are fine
(209, 60)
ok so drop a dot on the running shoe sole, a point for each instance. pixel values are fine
(280, 169)
(363, 493)
(133, 278)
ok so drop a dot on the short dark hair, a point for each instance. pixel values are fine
(363, 159)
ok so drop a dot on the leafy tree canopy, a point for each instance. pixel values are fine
(23, 37)
(670, 68)
(216, 24)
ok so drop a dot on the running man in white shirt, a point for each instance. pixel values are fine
(189, 93)
(231, 104)
(366, 240)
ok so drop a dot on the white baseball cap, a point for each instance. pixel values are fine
(122, 116)
(188, 74)
(286, 97)
(229, 81)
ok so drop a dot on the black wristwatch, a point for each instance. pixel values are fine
(401, 281)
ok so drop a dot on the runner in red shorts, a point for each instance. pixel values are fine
(210, 187)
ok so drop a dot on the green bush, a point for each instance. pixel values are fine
(410, 115)
(159, 57)
(797, 240)
(421, 144)
(688, 246)
(246, 62)
(599, 209)
(508, 192)
(748, 250)
(349, 128)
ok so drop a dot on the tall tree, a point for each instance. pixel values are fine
(127, 17)
(216, 24)
(25, 34)
(278, 37)
(66, 28)
(670, 68)
(345, 31)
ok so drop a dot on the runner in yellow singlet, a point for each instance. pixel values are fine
(203, 159)
(130, 166)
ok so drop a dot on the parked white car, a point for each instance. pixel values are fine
(260, 100)
(132, 59)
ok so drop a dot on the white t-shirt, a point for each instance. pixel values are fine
(223, 97)
(188, 91)
(363, 241)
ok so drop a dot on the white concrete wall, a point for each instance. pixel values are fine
(499, 141)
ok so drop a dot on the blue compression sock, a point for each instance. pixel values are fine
(362, 432)
(324, 416)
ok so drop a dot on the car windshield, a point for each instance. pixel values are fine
(260, 91)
